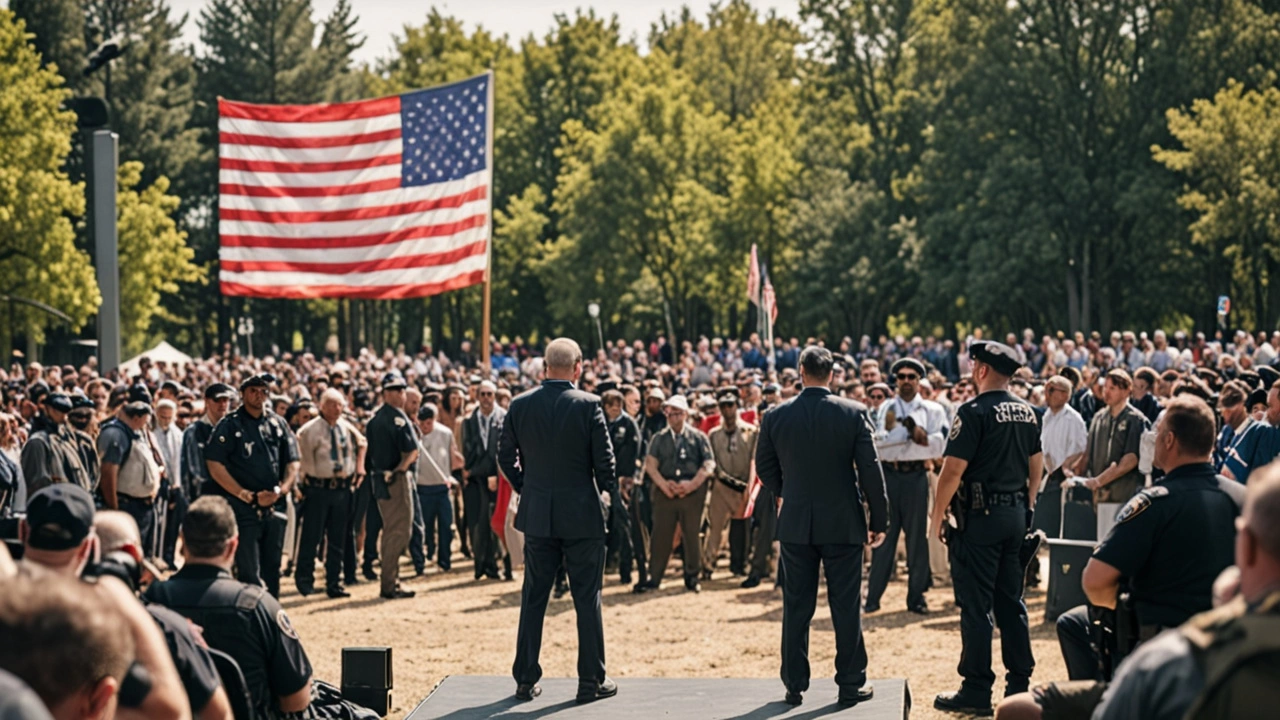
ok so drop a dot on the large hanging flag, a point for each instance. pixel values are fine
(753, 277)
(377, 199)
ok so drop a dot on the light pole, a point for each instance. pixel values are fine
(244, 328)
(593, 309)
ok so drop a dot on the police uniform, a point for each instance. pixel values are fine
(623, 529)
(245, 622)
(733, 453)
(195, 472)
(328, 472)
(997, 434)
(1170, 541)
(257, 452)
(390, 435)
(51, 454)
(138, 478)
(679, 458)
(907, 481)
(85, 444)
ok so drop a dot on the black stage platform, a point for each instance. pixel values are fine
(468, 697)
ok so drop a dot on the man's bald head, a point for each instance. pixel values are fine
(563, 358)
(116, 530)
(1258, 536)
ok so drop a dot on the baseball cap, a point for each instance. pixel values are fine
(60, 517)
(219, 391)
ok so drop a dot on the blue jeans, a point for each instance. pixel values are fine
(437, 510)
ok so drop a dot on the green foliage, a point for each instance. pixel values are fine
(154, 255)
(37, 201)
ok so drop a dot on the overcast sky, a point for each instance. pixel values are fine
(380, 19)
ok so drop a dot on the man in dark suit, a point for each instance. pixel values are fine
(480, 432)
(556, 453)
(815, 452)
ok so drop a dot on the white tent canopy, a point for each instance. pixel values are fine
(164, 352)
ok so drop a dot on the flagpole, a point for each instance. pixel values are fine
(488, 266)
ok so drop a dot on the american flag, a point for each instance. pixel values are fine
(377, 199)
(769, 301)
(753, 277)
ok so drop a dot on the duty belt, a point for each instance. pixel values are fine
(986, 500)
(145, 501)
(903, 466)
(342, 483)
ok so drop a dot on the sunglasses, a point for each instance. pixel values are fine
(907, 377)
(486, 394)
(184, 416)
(876, 396)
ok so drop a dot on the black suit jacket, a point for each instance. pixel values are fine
(555, 451)
(815, 451)
(480, 462)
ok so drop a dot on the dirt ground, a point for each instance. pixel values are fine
(457, 626)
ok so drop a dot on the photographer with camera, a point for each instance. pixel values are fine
(58, 538)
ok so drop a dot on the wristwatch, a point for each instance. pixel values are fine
(247, 496)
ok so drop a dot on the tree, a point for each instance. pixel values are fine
(154, 255)
(58, 30)
(37, 200)
(1231, 160)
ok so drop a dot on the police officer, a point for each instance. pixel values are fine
(239, 619)
(992, 466)
(253, 461)
(390, 463)
(733, 443)
(1170, 540)
(195, 472)
(51, 453)
(331, 451)
(81, 418)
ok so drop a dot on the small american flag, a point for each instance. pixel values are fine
(768, 300)
(377, 199)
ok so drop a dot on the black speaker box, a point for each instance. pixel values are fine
(1067, 559)
(366, 677)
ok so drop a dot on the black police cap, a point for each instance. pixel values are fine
(80, 402)
(59, 516)
(58, 401)
(1257, 397)
(393, 381)
(1268, 375)
(219, 391)
(999, 356)
(139, 393)
(261, 380)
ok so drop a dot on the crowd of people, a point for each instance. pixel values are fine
(234, 472)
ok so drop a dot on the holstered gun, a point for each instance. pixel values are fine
(1113, 634)
(958, 511)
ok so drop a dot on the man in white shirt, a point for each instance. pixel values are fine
(912, 431)
(434, 482)
(1063, 437)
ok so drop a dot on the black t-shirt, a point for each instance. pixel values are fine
(255, 451)
(243, 621)
(625, 437)
(1172, 540)
(996, 433)
(190, 655)
(390, 435)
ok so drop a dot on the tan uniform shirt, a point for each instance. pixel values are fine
(315, 446)
(734, 452)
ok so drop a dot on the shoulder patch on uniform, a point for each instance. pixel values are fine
(249, 597)
(1137, 505)
(955, 429)
(1157, 491)
(399, 422)
(286, 627)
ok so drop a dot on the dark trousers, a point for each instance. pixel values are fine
(417, 535)
(437, 522)
(843, 567)
(1048, 516)
(909, 515)
(479, 510)
(638, 511)
(460, 514)
(987, 578)
(144, 513)
(324, 515)
(619, 542)
(261, 546)
(1077, 648)
(177, 514)
(738, 546)
(583, 558)
(357, 510)
(765, 518)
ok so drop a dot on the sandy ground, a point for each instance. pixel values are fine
(457, 626)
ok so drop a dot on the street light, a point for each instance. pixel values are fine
(244, 328)
(593, 309)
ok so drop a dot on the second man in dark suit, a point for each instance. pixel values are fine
(815, 452)
(480, 431)
(555, 451)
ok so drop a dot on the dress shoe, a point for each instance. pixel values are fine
(337, 592)
(641, 588)
(507, 576)
(625, 579)
(919, 608)
(751, 581)
(305, 591)
(288, 569)
(528, 691)
(368, 572)
(561, 590)
(493, 575)
(397, 594)
(871, 608)
(853, 696)
(706, 574)
(794, 697)
(691, 583)
(958, 702)
(589, 692)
